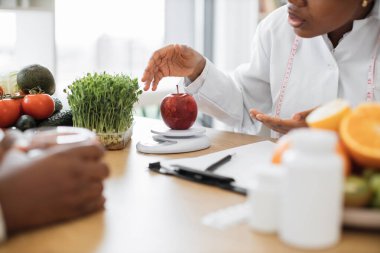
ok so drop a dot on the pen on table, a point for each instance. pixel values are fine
(218, 163)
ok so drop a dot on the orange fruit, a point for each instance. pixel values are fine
(360, 132)
(284, 144)
(342, 151)
(328, 116)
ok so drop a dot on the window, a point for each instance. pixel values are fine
(8, 40)
(73, 37)
(106, 35)
(27, 37)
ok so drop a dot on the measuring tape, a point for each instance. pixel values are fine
(371, 74)
(370, 95)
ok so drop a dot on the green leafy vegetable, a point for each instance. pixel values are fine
(103, 102)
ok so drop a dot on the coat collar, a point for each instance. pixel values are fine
(376, 10)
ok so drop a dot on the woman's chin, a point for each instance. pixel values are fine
(303, 33)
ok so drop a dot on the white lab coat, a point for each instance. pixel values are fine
(320, 73)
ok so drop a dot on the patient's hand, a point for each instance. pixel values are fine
(64, 183)
(6, 141)
(282, 126)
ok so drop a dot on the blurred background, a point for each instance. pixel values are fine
(73, 37)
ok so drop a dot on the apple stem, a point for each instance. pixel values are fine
(177, 89)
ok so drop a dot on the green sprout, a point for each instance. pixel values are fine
(102, 102)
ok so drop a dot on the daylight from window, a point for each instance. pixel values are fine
(106, 35)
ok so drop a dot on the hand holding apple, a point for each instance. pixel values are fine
(179, 110)
(173, 60)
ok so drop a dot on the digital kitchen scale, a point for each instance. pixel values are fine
(169, 141)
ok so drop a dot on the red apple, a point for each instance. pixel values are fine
(179, 111)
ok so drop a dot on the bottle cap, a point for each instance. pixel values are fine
(270, 175)
(316, 140)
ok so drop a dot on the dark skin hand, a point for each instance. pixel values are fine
(5, 144)
(64, 183)
(173, 60)
(311, 18)
(282, 126)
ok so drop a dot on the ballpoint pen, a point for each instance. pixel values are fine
(204, 177)
(218, 163)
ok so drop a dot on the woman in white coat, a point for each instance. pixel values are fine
(303, 55)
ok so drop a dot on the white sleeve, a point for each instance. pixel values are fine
(3, 231)
(230, 97)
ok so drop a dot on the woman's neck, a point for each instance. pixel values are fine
(337, 35)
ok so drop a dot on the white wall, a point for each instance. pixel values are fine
(235, 24)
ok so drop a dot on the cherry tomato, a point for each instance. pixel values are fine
(10, 111)
(39, 106)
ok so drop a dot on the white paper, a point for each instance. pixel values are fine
(227, 217)
(245, 162)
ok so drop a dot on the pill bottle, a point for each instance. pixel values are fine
(311, 207)
(264, 199)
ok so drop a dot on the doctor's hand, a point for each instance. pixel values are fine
(64, 183)
(282, 126)
(173, 60)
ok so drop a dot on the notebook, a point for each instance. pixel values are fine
(245, 162)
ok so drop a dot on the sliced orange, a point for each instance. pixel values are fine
(282, 145)
(328, 116)
(347, 163)
(360, 132)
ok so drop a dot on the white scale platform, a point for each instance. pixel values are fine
(168, 141)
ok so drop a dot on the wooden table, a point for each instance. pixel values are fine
(147, 212)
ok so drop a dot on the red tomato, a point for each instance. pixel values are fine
(19, 101)
(10, 111)
(1, 91)
(39, 106)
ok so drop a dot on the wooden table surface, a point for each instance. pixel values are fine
(148, 212)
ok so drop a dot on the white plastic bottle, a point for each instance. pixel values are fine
(264, 200)
(312, 192)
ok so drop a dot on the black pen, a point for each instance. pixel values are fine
(192, 174)
(218, 163)
(200, 176)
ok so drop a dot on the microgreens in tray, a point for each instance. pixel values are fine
(103, 103)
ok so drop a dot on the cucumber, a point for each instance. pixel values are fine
(57, 105)
(62, 118)
(25, 122)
